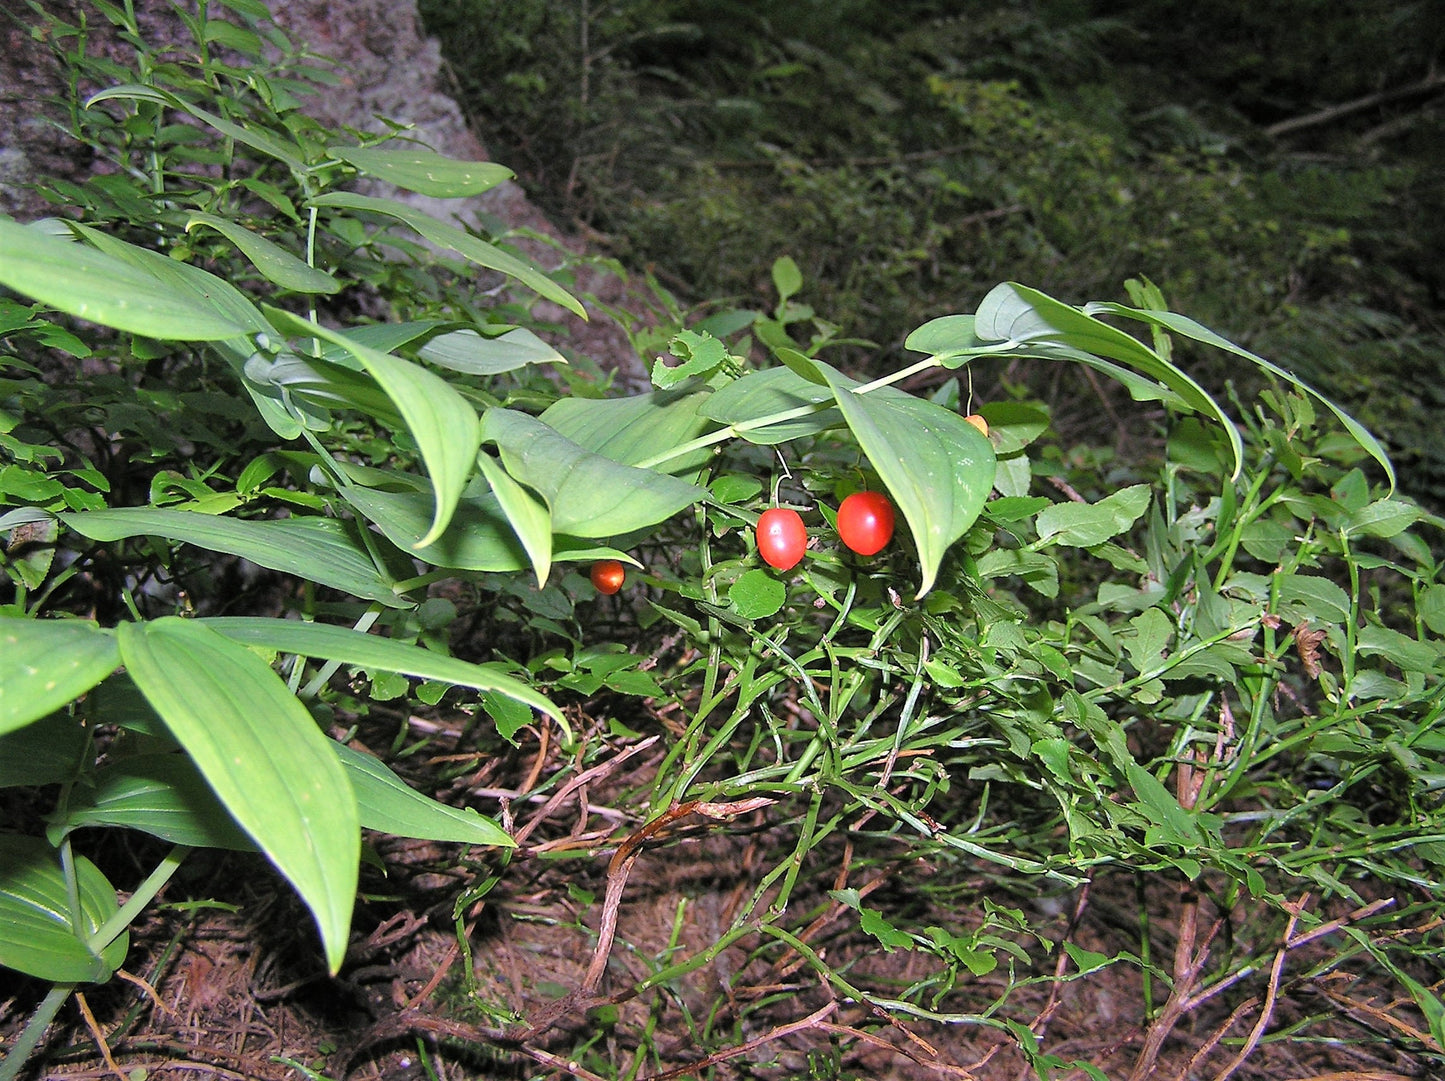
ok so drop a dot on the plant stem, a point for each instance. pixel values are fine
(144, 894)
(35, 1028)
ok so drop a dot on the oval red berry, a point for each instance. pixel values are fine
(607, 576)
(781, 537)
(865, 522)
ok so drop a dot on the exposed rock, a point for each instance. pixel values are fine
(389, 68)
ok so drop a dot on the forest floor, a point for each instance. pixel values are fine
(224, 978)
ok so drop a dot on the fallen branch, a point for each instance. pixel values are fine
(1427, 85)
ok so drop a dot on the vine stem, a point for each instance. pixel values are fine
(731, 431)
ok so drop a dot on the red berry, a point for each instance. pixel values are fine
(781, 537)
(865, 522)
(607, 576)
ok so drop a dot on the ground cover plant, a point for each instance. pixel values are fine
(1277, 172)
(1082, 766)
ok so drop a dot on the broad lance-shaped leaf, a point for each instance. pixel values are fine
(372, 651)
(478, 538)
(274, 262)
(206, 292)
(95, 286)
(262, 754)
(424, 171)
(465, 350)
(252, 137)
(450, 344)
(443, 423)
(528, 517)
(318, 385)
(749, 404)
(46, 663)
(37, 936)
(588, 495)
(458, 240)
(48, 751)
(1019, 315)
(323, 550)
(202, 288)
(390, 805)
(162, 794)
(165, 795)
(938, 467)
(1180, 324)
(636, 428)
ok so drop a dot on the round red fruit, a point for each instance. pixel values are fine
(865, 522)
(607, 576)
(781, 537)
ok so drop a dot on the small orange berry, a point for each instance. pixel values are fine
(607, 576)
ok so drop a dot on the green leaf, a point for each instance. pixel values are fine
(203, 289)
(467, 351)
(1408, 654)
(699, 354)
(787, 278)
(425, 171)
(322, 550)
(275, 263)
(1017, 314)
(938, 468)
(1053, 752)
(1180, 324)
(1152, 631)
(963, 949)
(1174, 824)
(636, 428)
(1384, 518)
(949, 335)
(1308, 597)
(46, 663)
(255, 139)
(1084, 525)
(1087, 960)
(162, 794)
(528, 517)
(588, 495)
(509, 715)
(757, 595)
(92, 285)
(1038, 570)
(37, 936)
(374, 653)
(749, 403)
(263, 756)
(443, 423)
(43, 752)
(388, 805)
(1432, 608)
(1013, 425)
(312, 385)
(458, 240)
(478, 538)
(875, 924)
(383, 337)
